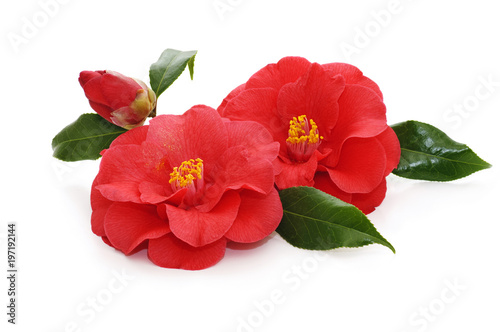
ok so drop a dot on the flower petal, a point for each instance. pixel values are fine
(297, 174)
(100, 206)
(86, 76)
(123, 168)
(258, 105)
(259, 215)
(275, 75)
(362, 115)
(254, 137)
(127, 225)
(230, 96)
(201, 228)
(118, 90)
(133, 136)
(369, 201)
(237, 169)
(361, 166)
(170, 252)
(392, 147)
(352, 75)
(198, 133)
(323, 182)
(315, 95)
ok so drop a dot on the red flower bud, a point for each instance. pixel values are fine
(123, 101)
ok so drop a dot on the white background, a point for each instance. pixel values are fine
(426, 57)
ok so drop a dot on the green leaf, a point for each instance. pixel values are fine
(427, 153)
(169, 67)
(85, 138)
(315, 220)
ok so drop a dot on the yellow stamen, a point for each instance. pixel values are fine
(186, 173)
(301, 132)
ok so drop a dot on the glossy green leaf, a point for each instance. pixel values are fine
(315, 220)
(169, 67)
(427, 153)
(85, 138)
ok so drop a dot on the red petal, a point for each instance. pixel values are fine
(352, 75)
(170, 252)
(315, 95)
(118, 90)
(201, 228)
(323, 182)
(100, 206)
(123, 168)
(258, 105)
(254, 137)
(102, 110)
(133, 136)
(93, 91)
(127, 225)
(237, 169)
(259, 215)
(368, 202)
(361, 166)
(230, 96)
(390, 142)
(287, 70)
(86, 76)
(297, 174)
(198, 133)
(362, 114)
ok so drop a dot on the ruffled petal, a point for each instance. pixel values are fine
(170, 252)
(127, 225)
(123, 168)
(361, 166)
(315, 95)
(362, 114)
(323, 182)
(369, 201)
(254, 137)
(352, 75)
(237, 169)
(392, 148)
(275, 75)
(100, 206)
(259, 215)
(296, 174)
(198, 133)
(133, 136)
(258, 105)
(201, 228)
(230, 96)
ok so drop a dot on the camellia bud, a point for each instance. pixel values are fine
(123, 101)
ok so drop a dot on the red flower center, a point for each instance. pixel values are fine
(188, 175)
(303, 138)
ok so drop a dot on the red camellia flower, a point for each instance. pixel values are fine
(121, 100)
(330, 122)
(186, 185)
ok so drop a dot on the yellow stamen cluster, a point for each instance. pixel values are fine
(186, 173)
(298, 132)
